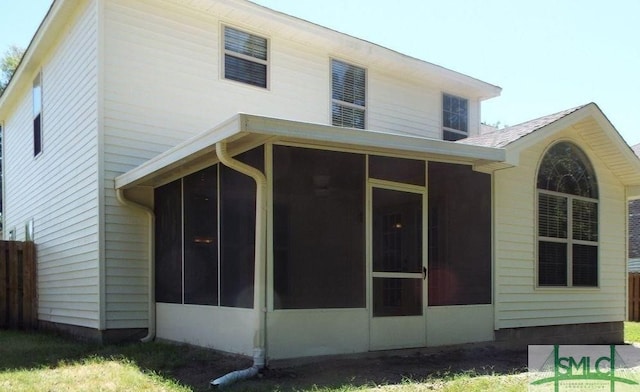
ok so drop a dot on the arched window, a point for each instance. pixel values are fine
(567, 218)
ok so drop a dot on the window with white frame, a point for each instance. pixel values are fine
(245, 57)
(455, 117)
(567, 218)
(348, 95)
(37, 114)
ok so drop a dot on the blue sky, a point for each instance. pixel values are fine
(547, 55)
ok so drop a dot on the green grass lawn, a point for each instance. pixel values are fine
(32, 361)
(41, 362)
(632, 332)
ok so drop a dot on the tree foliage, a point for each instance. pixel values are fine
(8, 64)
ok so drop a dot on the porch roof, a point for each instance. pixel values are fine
(244, 131)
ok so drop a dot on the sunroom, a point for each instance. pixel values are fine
(302, 239)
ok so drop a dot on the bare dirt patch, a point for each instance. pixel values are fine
(365, 371)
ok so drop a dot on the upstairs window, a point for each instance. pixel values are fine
(348, 95)
(455, 118)
(567, 219)
(37, 115)
(245, 57)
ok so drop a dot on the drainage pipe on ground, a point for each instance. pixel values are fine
(151, 332)
(259, 291)
(230, 378)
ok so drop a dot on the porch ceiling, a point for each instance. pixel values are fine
(245, 131)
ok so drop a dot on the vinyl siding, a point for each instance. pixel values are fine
(518, 302)
(163, 81)
(386, 93)
(58, 189)
(163, 84)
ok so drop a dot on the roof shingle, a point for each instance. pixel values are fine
(506, 136)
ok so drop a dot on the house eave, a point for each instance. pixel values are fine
(245, 128)
(342, 44)
(55, 21)
(625, 164)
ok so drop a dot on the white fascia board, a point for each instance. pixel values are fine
(368, 138)
(515, 148)
(195, 147)
(631, 159)
(245, 124)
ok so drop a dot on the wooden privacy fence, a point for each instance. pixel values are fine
(18, 297)
(634, 296)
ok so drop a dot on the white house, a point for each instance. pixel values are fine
(218, 173)
(634, 227)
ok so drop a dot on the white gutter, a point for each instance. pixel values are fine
(151, 334)
(260, 289)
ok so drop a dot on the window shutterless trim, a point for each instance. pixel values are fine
(336, 102)
(247, 79)
(461, 132)
(37, 102)
(561, 161)
(569, 241)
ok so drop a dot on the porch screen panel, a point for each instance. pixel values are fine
(319, 232)
(459, 235)
(168, 247)
(201, 237)
(238, 222)
(408, 171)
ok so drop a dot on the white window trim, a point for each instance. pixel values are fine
(344, 103)
(453, 130)
(456, 131)
(38, 78)
(243, 56)
(569, 241)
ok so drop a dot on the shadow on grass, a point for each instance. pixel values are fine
(195, 367)
(188, 365)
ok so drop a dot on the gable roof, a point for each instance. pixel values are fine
(600, 135)
(503, 137)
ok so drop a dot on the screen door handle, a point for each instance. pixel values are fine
(424, 273)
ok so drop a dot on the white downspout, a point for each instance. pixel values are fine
(260, 289)
(151, 334)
